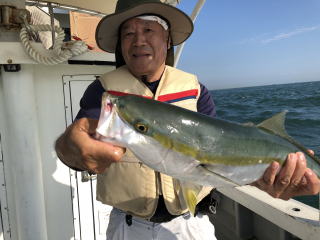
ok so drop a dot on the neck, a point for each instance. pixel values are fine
(150, 77)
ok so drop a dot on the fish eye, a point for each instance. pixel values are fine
(141, 127)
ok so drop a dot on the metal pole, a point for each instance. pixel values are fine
(193, 17)
(24, 164)
(39, 4)
(53, 33)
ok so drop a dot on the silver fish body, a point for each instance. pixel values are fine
(193, 147)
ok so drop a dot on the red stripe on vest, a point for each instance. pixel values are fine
(116, 93)
(172, 96)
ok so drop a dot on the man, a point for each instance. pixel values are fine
(146, 203)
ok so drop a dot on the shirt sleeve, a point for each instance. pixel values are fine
(90, 102)
(205, 103)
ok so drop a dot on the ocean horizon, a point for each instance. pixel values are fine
(262, 85)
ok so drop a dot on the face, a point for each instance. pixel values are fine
(144, 46)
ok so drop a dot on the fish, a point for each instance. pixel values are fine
(196, 149)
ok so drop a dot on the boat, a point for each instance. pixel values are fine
(41, 198)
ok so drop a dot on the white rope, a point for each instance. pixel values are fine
(62, 50)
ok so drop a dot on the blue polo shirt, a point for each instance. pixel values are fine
(90, 103)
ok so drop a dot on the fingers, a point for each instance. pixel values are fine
(300, 169)
(293, 179)
(106, 151)
(98, 156)
(285, 189)
(270, 174)
(311, 152)
(267, 180)
(80, 150)
(285, 175)
(312, 185)
(87, 125)
(93, 124)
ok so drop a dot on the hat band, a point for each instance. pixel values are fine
(155, 19)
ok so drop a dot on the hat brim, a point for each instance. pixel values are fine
(181, 25)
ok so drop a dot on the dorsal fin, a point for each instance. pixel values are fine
(275, 125)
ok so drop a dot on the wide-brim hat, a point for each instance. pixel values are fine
(107, 30)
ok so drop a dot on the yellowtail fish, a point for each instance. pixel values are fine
(195, 148)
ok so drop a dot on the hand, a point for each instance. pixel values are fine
(293, 179)
(78, 149)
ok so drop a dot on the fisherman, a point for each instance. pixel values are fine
(142, 34)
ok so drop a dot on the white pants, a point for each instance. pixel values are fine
(179, 228)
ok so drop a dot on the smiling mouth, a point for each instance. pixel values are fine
(141, 55)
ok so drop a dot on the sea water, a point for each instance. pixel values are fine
(255, 104)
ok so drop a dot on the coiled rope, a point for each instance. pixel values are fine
(61, 51)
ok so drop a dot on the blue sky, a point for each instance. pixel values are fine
(239, 43)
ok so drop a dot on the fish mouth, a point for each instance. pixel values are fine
(110, 102)
(108, 105)
(110, 126)
(112, 105)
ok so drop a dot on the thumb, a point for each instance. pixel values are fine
(107, 152)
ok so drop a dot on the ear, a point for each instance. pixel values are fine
(169, 42)
(170, 57)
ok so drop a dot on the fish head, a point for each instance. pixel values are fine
(138, 124)
(114, 122)
(133, 111)
(127, 119)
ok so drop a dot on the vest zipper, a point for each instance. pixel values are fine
(159, 183)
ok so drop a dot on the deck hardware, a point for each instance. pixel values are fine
(86, 177)
(296, 209)
(12, 67)
(213, 209)
(214, 201)
(11, 17)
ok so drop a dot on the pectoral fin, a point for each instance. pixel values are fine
(190, 192)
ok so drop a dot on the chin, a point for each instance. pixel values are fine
(141, 69)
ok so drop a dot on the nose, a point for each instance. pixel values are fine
(139, 39)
